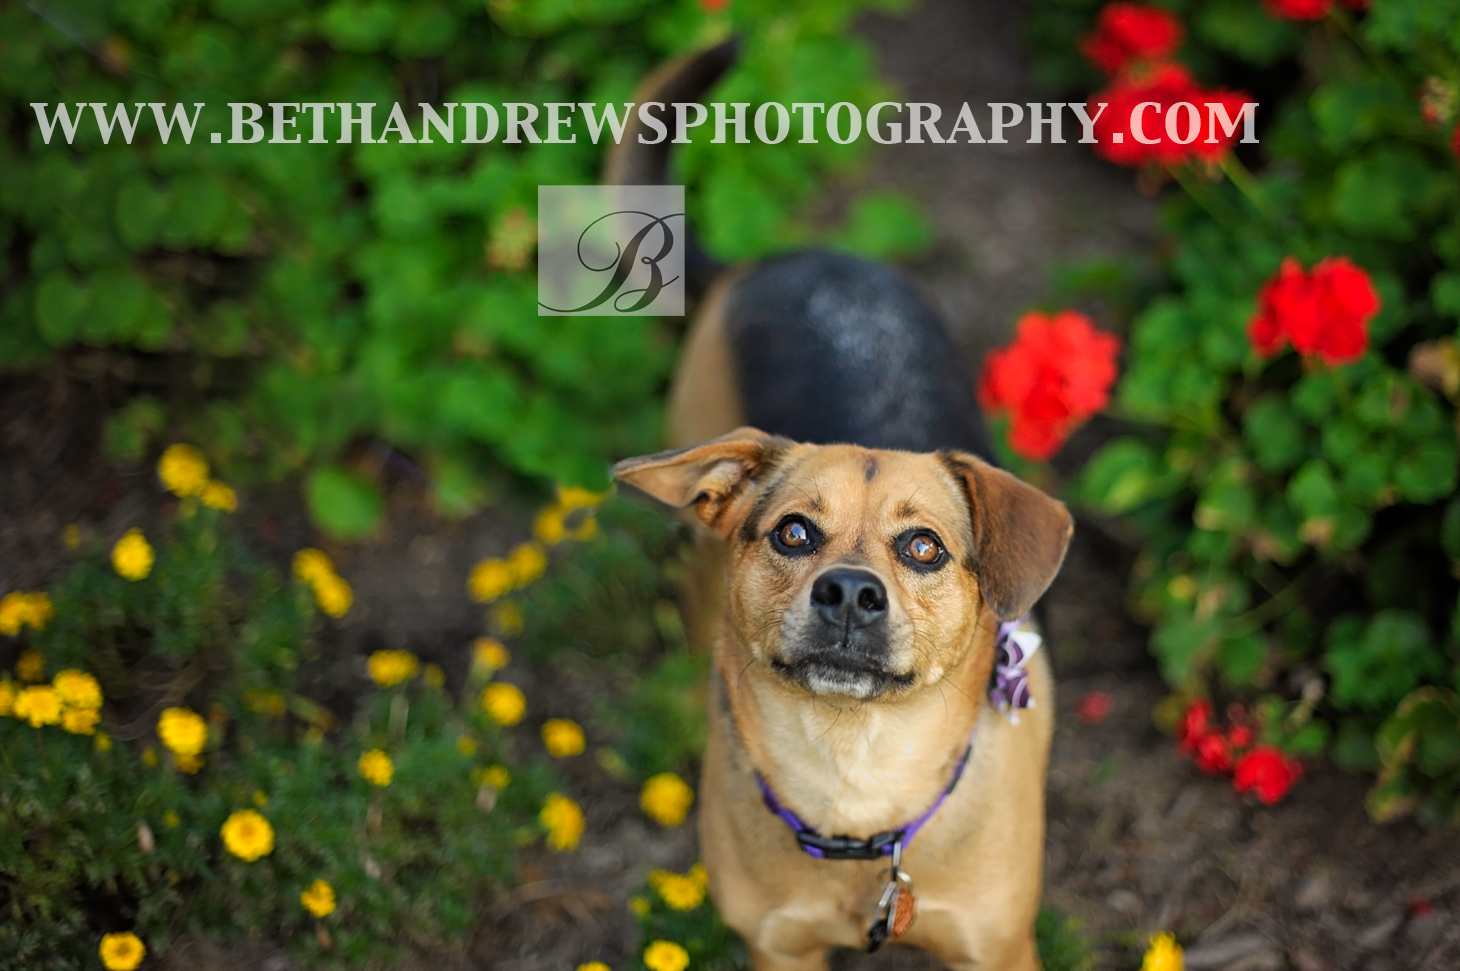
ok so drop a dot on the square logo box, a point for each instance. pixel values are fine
(610, 250)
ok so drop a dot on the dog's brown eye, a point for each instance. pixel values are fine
(794, 534)
(924, 549)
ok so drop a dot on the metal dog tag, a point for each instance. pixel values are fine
(896, 909)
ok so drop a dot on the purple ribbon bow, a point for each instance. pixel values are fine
(1009, 682)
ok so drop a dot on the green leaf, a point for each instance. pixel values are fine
(1275, 433)
(343, 504)
(1246, 30)
(885, 226)
(1376, 664)
(1124, 475)
(1426, 472)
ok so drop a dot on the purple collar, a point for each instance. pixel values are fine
(1008, 692)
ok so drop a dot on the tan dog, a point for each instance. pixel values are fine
(856, 596)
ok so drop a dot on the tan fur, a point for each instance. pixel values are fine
(860, 767)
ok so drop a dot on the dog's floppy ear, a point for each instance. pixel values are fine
(1020, 535)
(707, 476)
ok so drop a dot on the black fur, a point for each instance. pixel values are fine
(833, 348)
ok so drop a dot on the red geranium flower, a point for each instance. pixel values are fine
(1267, 773)
(1298, 9)
(1213, 754)
(1094, 707)
(1195, 725)
(1127, 32)
(1166, 85)
(1455, 140)
(713, 6)
(1240, 736)
(1057, 373)
(1323, 313)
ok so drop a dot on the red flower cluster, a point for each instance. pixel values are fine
(1127, 32)
(1323, 313)
(1260, 769)
(1179, 128)
(1308, 9)
(1057, 373)
(1094, 707)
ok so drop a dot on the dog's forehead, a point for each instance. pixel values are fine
(835, 480)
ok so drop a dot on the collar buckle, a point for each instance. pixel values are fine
(874, 847)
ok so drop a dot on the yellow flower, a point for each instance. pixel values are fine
(679, 892)
(549, 527)
(496, 776)
(77, 689)
(334, 595)
(665, 956)
(376, 767)
(132, 556)
(182, 730)
(489, 579)
(562, 737)
(19, 609)
(80, 721)
(527, 561)
(488, 654)
(31, 665)
(433, 676)
(1182, 587)
(1164, 954)
(218, 495)
(171, 820)
(265, 701)
(507, 618)
(103, 742)
(7, 696)
(189, 764)
(248, 835)
(698, 875)
(639, 905)
(576, 497)
(504, 703)
(389, 668)
(183, 470)
(39, 705)
(466, 745)
(666, 799)
(593, 966)
(564, 821)
(121, 952)
(312, 565)
(319, 899)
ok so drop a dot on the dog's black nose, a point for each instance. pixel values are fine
(849, 597)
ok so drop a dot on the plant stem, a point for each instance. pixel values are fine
(1202, 198)
(1245, 184)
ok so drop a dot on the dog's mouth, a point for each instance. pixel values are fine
(826, 673)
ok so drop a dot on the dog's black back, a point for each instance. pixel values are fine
(832, 348)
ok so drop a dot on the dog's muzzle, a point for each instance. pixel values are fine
(844, 646)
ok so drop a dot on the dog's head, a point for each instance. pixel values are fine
(860, 572)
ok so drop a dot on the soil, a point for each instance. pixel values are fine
(1138, 839)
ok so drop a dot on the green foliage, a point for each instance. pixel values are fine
(111, 832)
(320, 296)
(1300, 517)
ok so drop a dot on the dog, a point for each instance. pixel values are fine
(865, 571)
